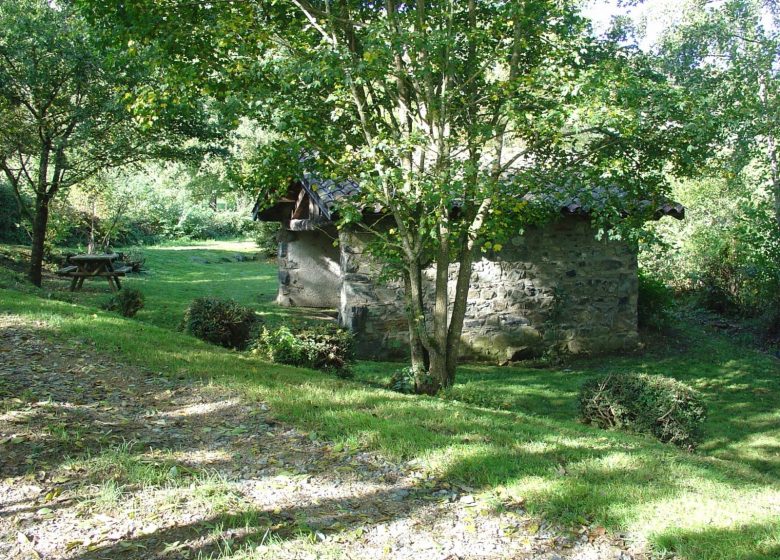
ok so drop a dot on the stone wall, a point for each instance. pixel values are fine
(373, 310)
(556, 286)
(309, 272)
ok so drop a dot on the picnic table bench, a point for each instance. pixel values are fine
(79, 267)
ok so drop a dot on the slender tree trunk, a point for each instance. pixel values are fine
(459, 305)
(774, 168)
(40, 222)
(91, 243)
(771, 143)
(419, 354)
(213, 202)
(41, 216)
(422, 353)
(438, 366)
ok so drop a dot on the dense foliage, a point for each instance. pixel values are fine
(68, 110)
(654, 303)
(433, 106)
(266, 238)
(327, 348)
(220, 321)
(727, 250)
(727, 55)
(650, 404)
(152, 204)
(11, 219)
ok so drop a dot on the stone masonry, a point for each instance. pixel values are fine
(553, 287)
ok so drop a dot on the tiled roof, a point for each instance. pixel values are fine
(327, 193)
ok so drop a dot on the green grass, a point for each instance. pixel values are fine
(173, 276)
(741, 387)
(510, 429)
(124, 464)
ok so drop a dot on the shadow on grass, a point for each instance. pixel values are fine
(225, 534)
(566, 472)
(741, 387)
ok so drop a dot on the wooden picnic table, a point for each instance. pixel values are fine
(99, 265)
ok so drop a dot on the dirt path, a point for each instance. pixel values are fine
(102, 460)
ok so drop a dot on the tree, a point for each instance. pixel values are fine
(728, 55)
(66, 110)
(450, 115)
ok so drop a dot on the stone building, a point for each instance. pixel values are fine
(556, 285)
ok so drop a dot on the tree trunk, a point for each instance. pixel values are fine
(420, 360)
(418, 335)
(40, 222)
(41, 217)
(213, 202)
(774, 168)
(435, 355)
(459, 304)
(437, 372)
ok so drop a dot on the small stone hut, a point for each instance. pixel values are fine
(554, 286)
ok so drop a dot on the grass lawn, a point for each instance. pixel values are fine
(510, 433)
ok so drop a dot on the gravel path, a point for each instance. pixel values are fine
(102, 460)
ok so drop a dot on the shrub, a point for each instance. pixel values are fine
(222, 322)
(128, 302)
(403, 381)
(655, 302)
(11, 219)
(650, 404)
(712, 296)
(281, 346)
(326, 348)
(266, 237)
(770, 322)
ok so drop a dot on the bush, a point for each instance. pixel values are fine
(655, 302)
(128, 302)
(266, 238)
(11, 220)
(222, 322)
(649, 404)
(403, 381)
(713, 297)
(770, 322)
(727, 250)
(325, 348)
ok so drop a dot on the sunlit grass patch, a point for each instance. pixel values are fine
(106, 496)
(128, 464)
(510, 429)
